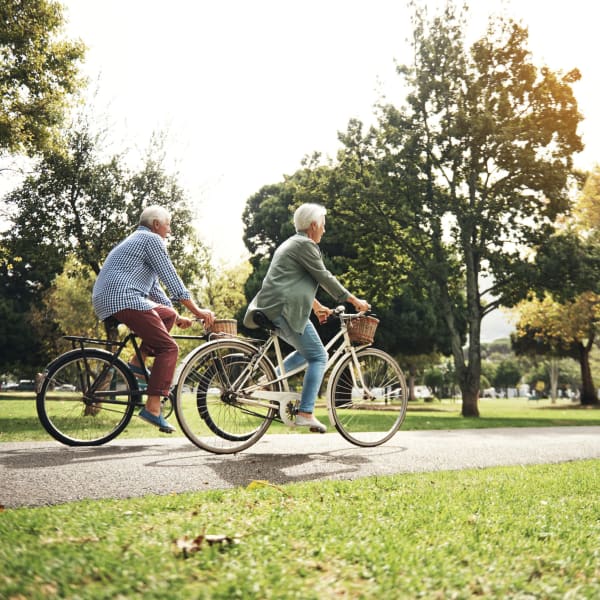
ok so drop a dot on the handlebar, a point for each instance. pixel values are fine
(340, 313)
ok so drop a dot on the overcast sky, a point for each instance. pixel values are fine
(245, 88)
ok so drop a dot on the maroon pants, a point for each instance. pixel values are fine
(153, 327)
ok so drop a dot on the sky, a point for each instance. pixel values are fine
(244, 89)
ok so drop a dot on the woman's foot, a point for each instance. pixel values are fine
(308, 420)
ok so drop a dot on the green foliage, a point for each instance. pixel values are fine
(38, 71)
(508, 374)
(224, 290)
(78, 204)
(68, 301)
(567, 264)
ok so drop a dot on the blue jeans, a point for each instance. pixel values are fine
(309, 349)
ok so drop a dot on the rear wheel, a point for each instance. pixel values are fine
(367, 401)
(84, 400)
(214, 403)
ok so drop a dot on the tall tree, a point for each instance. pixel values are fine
(471, 171)
(412, 327)
(38, 72)
(79, 203)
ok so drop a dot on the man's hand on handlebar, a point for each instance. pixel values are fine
(183, 322)
(207, 317)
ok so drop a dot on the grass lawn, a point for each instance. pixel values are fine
(19, 421)
(509, 532)
(495, 533)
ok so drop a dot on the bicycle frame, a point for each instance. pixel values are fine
(79, 343)
(272, 341)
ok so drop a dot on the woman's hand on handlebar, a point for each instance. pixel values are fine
(359, 305)
(321, 311)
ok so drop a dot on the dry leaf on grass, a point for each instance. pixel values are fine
(257, 483)
(186, 546)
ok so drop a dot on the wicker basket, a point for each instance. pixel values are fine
(224, 327)
(362, 329)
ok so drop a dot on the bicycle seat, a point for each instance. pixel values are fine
(263, 321)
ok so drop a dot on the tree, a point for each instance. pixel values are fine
(79, 204)
(587, 210)
(413, 328)
(472, 171)
(508, 374)
(38, 72)
(225, 290)
(554, 329)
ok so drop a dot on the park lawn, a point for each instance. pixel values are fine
(508, 532)
(19, 421)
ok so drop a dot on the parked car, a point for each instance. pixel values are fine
(65, 387)
(422, 392)
(26, 385)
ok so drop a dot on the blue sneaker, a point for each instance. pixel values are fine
(160, 422)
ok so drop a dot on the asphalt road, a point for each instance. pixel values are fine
(46, 473)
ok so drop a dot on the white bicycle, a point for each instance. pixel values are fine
(229, 392)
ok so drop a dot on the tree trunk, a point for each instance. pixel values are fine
(588, 394)
(468, 374)
(411, 384)
(553, 375)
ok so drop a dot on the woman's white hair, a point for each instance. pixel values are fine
(308, 213)
(152, 213)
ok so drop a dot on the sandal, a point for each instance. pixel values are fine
(139, 371)
(160, 422)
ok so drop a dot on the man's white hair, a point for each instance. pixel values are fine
(308, 213)
(152, 213)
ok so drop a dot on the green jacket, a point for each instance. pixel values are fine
(291, 284)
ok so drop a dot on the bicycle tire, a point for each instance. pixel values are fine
(370, 415)
(207, 402)
(72, 414)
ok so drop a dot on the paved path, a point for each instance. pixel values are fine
(41, 473)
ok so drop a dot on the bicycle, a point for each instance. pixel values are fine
(87, 396)
(230, 391)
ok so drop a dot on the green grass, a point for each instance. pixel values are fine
(501, 533)
(19, 421)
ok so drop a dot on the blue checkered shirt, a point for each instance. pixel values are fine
(131, 276)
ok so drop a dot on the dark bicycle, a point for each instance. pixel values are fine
(87, 396)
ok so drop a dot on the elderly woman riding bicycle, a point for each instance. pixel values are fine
(288, 294)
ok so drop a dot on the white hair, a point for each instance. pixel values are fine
(152, 213)
(308, 213)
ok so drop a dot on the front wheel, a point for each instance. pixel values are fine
(367, 398)
(84, 400)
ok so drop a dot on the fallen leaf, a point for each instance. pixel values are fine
(258, 483)
(186, 546)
